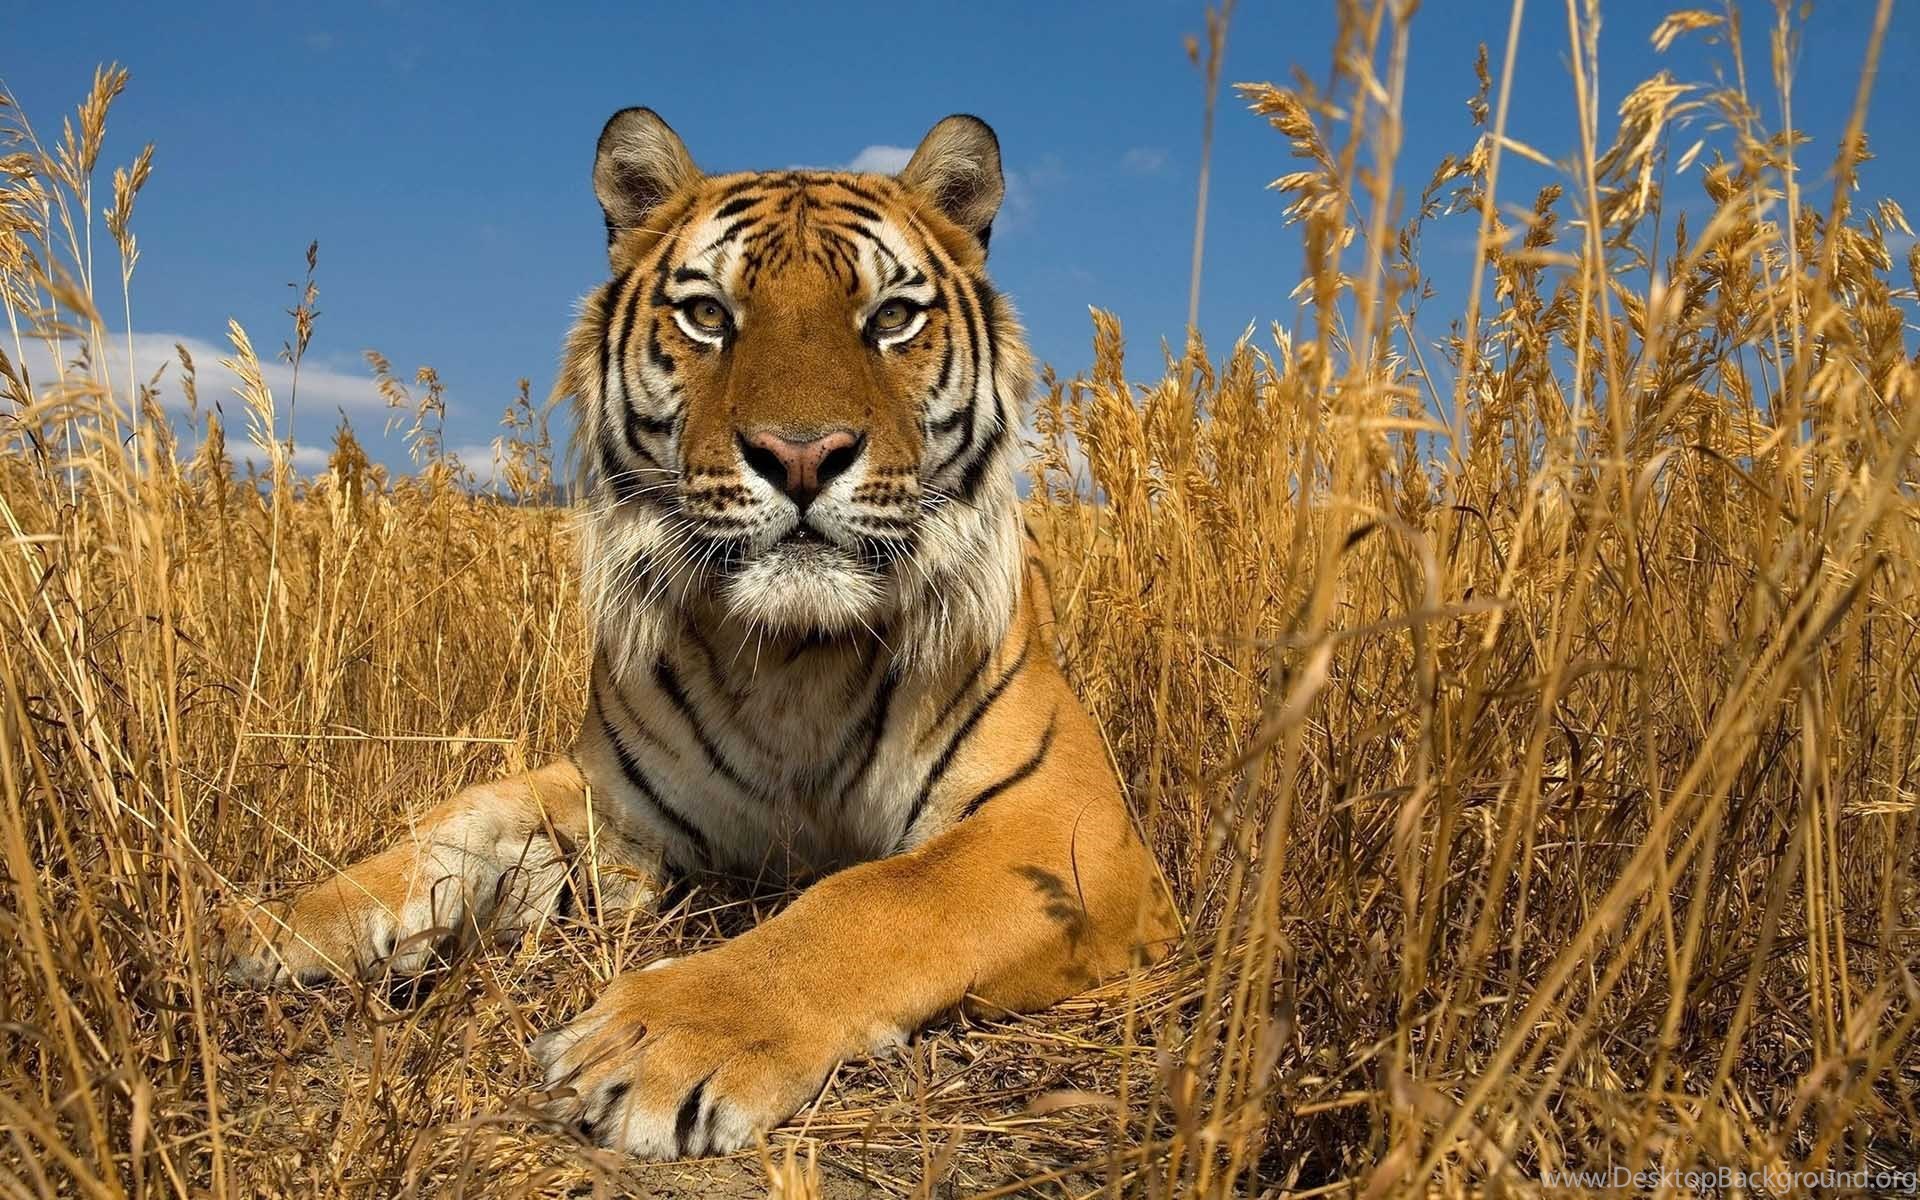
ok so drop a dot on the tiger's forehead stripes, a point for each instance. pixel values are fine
(861, 232)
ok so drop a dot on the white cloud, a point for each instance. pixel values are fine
(880, 160)
(311, 458)
(324, 386)
(1145, 160)
(477, 458)
(307, 460)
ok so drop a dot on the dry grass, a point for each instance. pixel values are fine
(1527, 719)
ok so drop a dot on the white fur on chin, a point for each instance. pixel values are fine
(803, 588)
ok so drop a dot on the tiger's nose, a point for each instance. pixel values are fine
(801, 468)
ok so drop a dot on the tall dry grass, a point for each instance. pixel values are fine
(1521, 698)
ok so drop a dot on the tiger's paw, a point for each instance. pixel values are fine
(686, 1058)
(331, 931)
(405, 911)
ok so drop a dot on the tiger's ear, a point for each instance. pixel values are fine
(957, 166)
(640, 164)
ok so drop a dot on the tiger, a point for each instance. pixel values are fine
(823, 653)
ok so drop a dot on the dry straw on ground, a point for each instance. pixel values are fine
(1521, 698)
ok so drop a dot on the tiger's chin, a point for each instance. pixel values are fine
(807, 587)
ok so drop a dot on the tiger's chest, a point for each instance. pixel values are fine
(765, 762)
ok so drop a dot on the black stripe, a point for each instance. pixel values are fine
(658, 426)
(960, 693)
(625, 484)
(728, 233)
(997, 435)
(965, 422)
(609, 310)
(735, 207)
(669, 681)
(742, 186)
(626, 302)
(1019, 773)
(860, 190)
(630, 767)
(601, 678)
(812, 639)
(973, 389)
(977, 469)
(844, 231)
(731, 698)
(946, 366)
(874, 725)
(632, 421)
(683, 1121)
(608, 333)
(615, 1094)
(896, 270)
(636, 421)
(655, 354)
(714, 683)
(960, 736)
(950, 422)
(838, 253)
(637, 424)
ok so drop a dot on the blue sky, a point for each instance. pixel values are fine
(440, 153)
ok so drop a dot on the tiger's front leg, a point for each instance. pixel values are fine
(492, 861)
(1041, 891)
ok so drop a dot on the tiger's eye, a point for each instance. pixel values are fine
(707, 314)
(891, 317)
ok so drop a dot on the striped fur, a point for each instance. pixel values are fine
(851, 682)
(798, 694)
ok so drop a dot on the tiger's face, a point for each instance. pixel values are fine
(800, 389)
